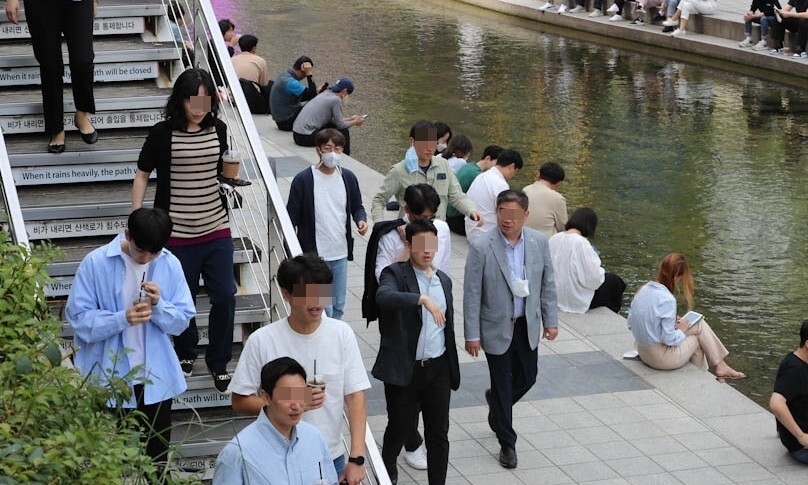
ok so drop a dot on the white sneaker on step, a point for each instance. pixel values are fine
(578, 9)
(562, 8)
(416, 459)
(760, 46)
(596, 13)
(613, 8)
(747, 42)
(678, 33)
(616, 18)
(671, 23)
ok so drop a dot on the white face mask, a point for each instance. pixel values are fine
(520, 288)
(330, 159)
(441, 147)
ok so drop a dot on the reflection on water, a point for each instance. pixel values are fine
(673, 157)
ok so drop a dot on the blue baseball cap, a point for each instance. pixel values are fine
(343, 83)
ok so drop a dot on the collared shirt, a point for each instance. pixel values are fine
(260, 454)
(431, 341)
(483, 192)
(516, 262)
(391, 246)
(97, 314)
(652, 318)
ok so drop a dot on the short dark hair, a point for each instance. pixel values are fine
(300, 60)
(187, 85)
(804, 333)
(225, 25)
(443, 129)
(492, 151)
(551, 172)
(585, 220)
(149, 229)
(417, 227)
(306, 268)
(421, 130)
(513, 195)
(275, 369)
(458, 145)
(247, 42)
(175, 11)
(507, 157)
(420, 197)
(329, 134)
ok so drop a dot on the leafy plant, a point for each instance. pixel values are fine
(55, 426)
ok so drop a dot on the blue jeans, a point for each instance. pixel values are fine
(339, 464)
(764, 22)
(672, 4)
(212, 260)
(800, 455)
(339, 286)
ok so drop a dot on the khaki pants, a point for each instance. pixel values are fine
(700, 347)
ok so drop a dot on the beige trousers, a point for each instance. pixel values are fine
(700, 347)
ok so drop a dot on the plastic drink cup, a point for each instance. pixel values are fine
(231, 159)
(317, 381)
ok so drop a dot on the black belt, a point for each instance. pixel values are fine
(519, 320)
(423, 363)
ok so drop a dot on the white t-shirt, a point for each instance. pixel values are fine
(330, 215)
(134, 336)
(456, 163)
(484, 191)
(391, 247)
(334, 346)
(577, 271)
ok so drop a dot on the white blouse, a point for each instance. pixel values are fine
(577, 271)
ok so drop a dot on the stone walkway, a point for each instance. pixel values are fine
(592, 418)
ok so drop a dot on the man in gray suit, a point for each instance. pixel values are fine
(509, 300)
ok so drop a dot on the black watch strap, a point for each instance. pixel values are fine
(357, 460)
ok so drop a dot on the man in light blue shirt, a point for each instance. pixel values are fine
(127, 298)
(278, 448)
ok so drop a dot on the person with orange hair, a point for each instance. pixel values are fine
(664, 340)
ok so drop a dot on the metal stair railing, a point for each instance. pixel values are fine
(277, 237)
(14, 220)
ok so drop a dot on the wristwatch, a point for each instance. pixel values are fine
(357, 460)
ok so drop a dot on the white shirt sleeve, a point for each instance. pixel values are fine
(443, 257)
(355, 377)
(247, 376)
(390, 246)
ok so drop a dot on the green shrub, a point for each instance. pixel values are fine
(54, 426)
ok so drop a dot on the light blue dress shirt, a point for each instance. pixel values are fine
(516, 262)
(260, 454)
(652, 317)
(97, 314)
(431, 340)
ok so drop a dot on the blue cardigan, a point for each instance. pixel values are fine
(301, 208)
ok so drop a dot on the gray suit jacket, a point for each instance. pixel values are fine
(488, 301)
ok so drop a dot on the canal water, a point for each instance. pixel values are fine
(672, 156)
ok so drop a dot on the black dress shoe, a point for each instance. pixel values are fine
(491, 421)
(668, 28)
(88, 138)
(507, 457)
(56, 148)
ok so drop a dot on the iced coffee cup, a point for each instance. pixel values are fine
(317, 381)
(231, 159)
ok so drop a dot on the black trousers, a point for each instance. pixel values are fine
(155, 425)
(429, 389)
(610, 293)
(47, 21)
(308, 140)
(800, 26)
(512, 375)
(457, 224)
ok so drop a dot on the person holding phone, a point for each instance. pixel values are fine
(794, 18)
(665, 341)
(325, 111)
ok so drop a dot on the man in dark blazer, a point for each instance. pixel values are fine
(509, 301)
(417, 358)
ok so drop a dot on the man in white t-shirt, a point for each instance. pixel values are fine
(485, 189)
(322, 201)
(326, 348)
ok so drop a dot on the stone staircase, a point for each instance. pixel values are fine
(80, 199)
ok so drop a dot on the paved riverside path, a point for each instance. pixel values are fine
(592, 417)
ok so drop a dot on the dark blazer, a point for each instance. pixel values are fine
(156, 154)
(400, 324)
(300, 207)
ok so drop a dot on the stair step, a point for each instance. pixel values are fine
(200, 443)
(101, 26)
(113, 9)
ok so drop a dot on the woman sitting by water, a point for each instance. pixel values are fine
(458, 151)
(581, 283)
(665, 341)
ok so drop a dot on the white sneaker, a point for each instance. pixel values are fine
(578, 9)
(562, 8)
(616, 18)
(416, 459)
(747, 42)
(760, 46)
(678, 33)
(613, 8)
(547, 6)
(671, 23)
(596, 13)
